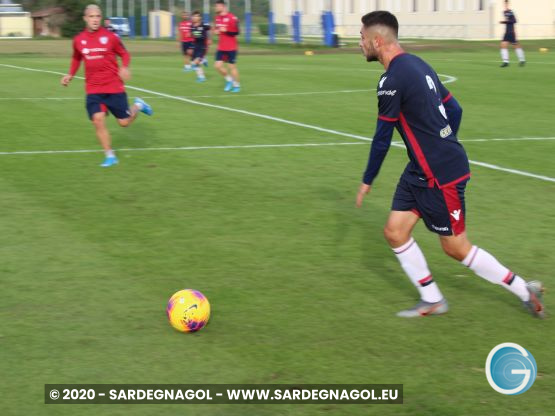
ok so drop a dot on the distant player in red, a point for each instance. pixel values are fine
(227, 27)
(187, 40)
(98, 47)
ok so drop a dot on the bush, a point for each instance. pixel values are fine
(279, 29)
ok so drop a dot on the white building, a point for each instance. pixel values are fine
(462, 19)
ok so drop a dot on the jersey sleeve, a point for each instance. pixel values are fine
(233, 29)
(75, 60)
(389, 99)
(445, 94)
(120, 50)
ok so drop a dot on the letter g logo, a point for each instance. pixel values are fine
(510, 369)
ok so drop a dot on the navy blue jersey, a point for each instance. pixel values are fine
(510, 21)
(411, 95)
(200, 34)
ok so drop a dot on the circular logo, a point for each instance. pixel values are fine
(511, 369)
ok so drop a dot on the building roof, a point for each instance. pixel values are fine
(48, 12)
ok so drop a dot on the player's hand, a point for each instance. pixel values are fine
(66, 79)
(362, 191)
(124, 74)
(223, 29)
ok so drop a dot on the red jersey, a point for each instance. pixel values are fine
(185, 30)
(228, 37)
(98, 50)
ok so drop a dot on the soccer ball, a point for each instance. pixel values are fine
(188, 310)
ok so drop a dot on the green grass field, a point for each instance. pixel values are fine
(302, 284)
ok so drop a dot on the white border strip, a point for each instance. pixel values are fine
(289, 122)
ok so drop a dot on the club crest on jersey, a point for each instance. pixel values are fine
(103, 40)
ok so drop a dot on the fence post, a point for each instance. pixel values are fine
(131, 13)
(296, 20)
(248, 21)
(271, 32)
(144, 20)
(206, 11)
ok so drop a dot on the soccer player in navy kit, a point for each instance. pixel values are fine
(200, 33)
(412, 99)
(510, 37)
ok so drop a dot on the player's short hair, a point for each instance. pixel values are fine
(91, 7)
(381, 18)
(221, 2)
(196, 12)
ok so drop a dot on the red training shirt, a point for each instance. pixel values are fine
(230, 24)
(185, 30)
(98, 50)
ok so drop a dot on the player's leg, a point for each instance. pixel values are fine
(96, 108)
(456, 245)
(197, 61)
(220, 67)
(232, 62)
(118, 106)
(103, 136)
(398, 233)
(489, 268)
(504, 53)
(519, 53)
(186, 57)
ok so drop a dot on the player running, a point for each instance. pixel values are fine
(227, 27)
(510, 37)
(412, 99)
(200, 32)
(98, 47)
(186, 41)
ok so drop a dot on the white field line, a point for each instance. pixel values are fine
(247, 146)
(150, 149)
(283, 94)
(289, 122)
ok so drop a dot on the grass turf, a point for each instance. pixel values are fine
(302, 285)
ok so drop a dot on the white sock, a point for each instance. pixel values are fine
(138, 105)
(199, 71)
(236, 84)
(109, 153)
(487, 267)
(505, 55)
(228, 78)
(187, 66)
(520, 54)
(414, 264)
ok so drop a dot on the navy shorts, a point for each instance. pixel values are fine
(510, 37)
(198, 53)
(114, 103)
(443, 210)
(185, 46)
(227, 56)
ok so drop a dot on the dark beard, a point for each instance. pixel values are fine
(371, 58)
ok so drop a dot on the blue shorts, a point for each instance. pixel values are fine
(199, 52)
(510, 37)
(443, 210)
(227, 56)
(185, 46)
(114, 103)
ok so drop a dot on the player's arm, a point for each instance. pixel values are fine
(234, 29)
(120, 50)
(389, 110)
(74, 66)
(378, 151)
(452, 108)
